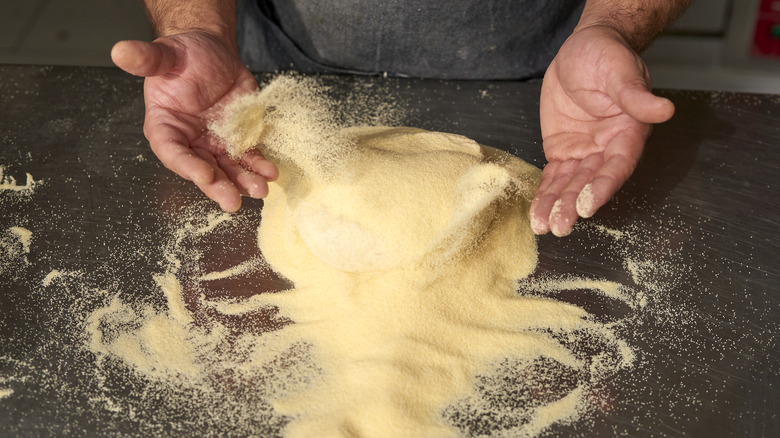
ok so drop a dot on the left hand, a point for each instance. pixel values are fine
(596, 112)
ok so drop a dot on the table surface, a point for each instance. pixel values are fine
(703, 203)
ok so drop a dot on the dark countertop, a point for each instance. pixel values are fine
(703, 205)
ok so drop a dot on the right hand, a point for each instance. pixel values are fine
(189, 76)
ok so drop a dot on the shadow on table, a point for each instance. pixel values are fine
(673, 149)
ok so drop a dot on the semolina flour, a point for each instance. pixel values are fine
(405, 249)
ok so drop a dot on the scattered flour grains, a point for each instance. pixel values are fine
(404, 248)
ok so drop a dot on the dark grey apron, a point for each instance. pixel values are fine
(451, 39)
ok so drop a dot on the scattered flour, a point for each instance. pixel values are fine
(8, 182)
(25, 237)
(404, 248)
(190, 352)
(14, 247)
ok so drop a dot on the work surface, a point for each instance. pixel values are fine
(703, 205)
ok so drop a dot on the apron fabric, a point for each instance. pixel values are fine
(447, 39)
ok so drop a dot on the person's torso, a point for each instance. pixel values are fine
(428, 38)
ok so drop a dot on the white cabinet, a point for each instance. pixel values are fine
(711, 47)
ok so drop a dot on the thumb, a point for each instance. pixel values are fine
(644, 106)
(628, 84)
(141, 58)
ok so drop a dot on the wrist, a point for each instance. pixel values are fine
(223, 36)
(604, 29)
(214, 18)
(637, 22)
(634, 37)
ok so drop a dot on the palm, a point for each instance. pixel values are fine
(595, 115)
(571, 132)
(207, 77)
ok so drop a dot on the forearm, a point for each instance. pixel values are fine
(638, 21)
(217, 17)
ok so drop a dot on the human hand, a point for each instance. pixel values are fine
(189, 76)
(596, 111)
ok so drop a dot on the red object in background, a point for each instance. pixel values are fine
(766, 39)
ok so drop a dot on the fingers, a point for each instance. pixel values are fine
(172, 148)
(257, 163)
(220, 189)
(541, 206)
(201, 167)
(621, 160)
(555, 177)
(145, 59)
(220, 178)
(601, 189)
(554, 208)
(247, 182)
(564, 212)
(578, 188)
